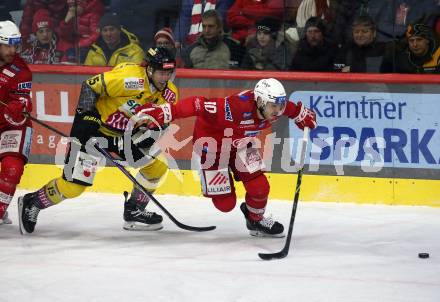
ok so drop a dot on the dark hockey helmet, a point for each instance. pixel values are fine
(160, 58)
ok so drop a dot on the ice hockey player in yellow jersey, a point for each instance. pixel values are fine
(106, 105)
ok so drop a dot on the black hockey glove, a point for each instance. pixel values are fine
(85, 125)
(144, 137)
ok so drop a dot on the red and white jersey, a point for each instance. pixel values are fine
(15, 84)
(237, 112)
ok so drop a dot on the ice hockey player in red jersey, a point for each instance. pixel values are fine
(15, 128)
(224, 135)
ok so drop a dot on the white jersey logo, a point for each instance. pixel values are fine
(217, 182)
(134, 83)
(10, 141)
(8, 73)
(211, 107)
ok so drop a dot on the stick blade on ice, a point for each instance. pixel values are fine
(271, 256)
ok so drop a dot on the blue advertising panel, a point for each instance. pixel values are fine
(372, 130)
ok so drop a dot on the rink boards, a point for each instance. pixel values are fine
(314, 187)
(378, 139)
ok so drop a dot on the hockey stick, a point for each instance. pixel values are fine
(129, 176)
(134, 180)
(283, 253)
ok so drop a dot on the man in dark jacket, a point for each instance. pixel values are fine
(264, 50)
(315, 52)
(363, 53)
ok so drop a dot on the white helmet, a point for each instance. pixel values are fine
(9, 33)
(271, 91)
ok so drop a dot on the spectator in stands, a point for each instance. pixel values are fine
(81, 25)
(315, 52)
(189, 25)
(264, 52)
(164, 38)
(420, 55)
(213, 50)
(114, 45)
(363, 53)
(243, 14)
(56, 8)
(46, 48)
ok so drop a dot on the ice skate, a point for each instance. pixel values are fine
(27, 213)
(266, 227)
(137, 219)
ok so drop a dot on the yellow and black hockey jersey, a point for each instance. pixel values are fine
(123, 89)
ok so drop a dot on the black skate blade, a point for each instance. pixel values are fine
(272, 256)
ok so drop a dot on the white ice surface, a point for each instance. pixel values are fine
(341, 252)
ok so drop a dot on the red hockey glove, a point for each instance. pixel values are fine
(153, 116)
(13, 113)
(305, 118)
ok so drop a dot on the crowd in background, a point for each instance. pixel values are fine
(288, 35)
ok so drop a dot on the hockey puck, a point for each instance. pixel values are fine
(423, 255)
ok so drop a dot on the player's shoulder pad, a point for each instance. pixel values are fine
(130, 68)
(20, 70)
(241, 102)
(124, 71)
(245, 96)
(19, 65)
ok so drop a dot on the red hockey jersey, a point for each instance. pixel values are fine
(233, 116)
(15, 84)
